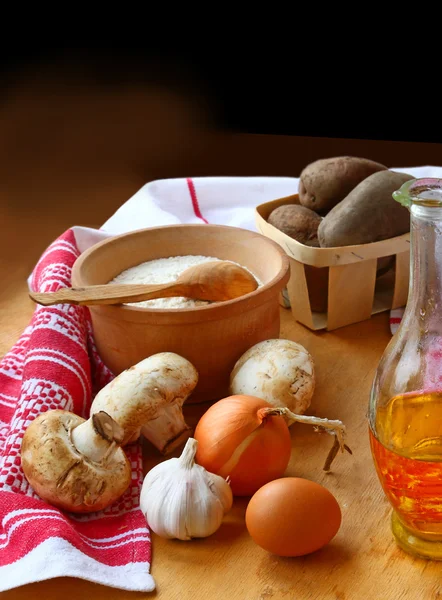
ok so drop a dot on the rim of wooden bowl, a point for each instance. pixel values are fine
(207, 312)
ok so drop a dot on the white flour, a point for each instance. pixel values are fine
(164, 270)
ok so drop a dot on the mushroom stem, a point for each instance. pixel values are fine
(110, 452)
(98, 437)
(169, 430)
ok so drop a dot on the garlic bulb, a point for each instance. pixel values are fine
(182, 500)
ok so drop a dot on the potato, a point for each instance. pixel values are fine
(326, 182)
(368, 214)
(298, 222)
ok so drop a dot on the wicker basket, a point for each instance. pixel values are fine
(333, 287)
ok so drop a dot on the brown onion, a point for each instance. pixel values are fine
(245, 439)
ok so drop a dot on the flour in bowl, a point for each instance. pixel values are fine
(165, 270)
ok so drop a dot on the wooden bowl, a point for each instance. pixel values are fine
(212, 337)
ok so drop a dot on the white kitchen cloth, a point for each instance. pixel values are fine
(216, 200)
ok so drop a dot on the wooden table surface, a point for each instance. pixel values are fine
(51, 178)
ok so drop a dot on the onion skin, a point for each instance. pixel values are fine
(239, 438)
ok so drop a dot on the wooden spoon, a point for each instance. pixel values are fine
(215, 281)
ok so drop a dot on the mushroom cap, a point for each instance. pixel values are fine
(64, 477)
(142, 392)
(280, 371)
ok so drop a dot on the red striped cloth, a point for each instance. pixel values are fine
(195, 202)
(395, 319)
(55, 364)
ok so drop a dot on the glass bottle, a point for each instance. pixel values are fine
(405, 409)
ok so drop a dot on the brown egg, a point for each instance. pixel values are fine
(292, 516)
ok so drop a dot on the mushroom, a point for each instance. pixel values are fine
(147, 399)
(279, 371)
(73, 463)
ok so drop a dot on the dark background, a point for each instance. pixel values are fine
(249, 88)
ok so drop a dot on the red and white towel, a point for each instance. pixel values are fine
(395, 319)
(55, 364)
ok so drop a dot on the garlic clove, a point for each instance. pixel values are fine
(164, 506)
(206, 508)
(223, 492)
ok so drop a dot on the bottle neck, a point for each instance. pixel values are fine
(425, 290)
